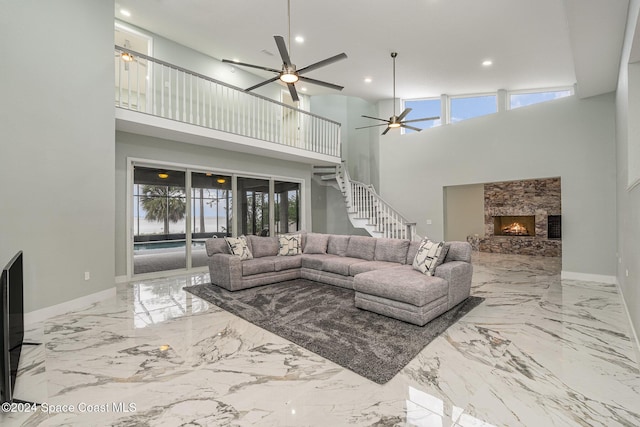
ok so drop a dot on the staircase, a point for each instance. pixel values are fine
(365, 208)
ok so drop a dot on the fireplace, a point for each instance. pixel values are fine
(520, 225)
(523, 217)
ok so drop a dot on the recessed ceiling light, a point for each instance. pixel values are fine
(125, 12)
(299, 39)
(368, 79)
(487, 63)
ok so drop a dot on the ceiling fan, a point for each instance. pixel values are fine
(289, 74)
(397, 121)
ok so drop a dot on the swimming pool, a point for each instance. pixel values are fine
(165, 246)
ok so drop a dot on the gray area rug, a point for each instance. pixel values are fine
(323, 318)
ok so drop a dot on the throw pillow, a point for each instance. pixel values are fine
(290, 244)
(316, 243)
(426, 259)
(238, 246)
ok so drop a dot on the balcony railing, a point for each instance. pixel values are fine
(155, 87)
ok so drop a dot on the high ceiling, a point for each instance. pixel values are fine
(441, 44)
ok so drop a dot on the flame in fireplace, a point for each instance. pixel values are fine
(516, 229)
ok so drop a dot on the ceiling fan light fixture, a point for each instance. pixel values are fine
(163, 175)
(289, 77)
(221, 180)
(394, 125)
(289, 74)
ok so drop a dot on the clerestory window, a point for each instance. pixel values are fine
(523, 98)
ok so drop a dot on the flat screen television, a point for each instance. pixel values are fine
(11, 326)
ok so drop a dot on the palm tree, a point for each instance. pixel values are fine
(163, 204)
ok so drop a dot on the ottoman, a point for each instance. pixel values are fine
(402, 293)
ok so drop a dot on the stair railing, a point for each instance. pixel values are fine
(152, 86)
(363, 201)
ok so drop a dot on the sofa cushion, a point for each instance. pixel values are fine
(239, 247)
(289, 244)
(402, 284)
(287, 262)
(264, 246)
(339, 265)
(338, 244)
(411, 252)
(257, 266)
(426, 259)
(458, 251)
(391, 250)
(216, 246)
(316, 243)
(363, 267)
(314, 261)
(362, 247)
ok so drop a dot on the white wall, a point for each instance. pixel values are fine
(463, 211)
(570, 138)
(359, 149)
(57, 142)
(628, 198)
(153, 149)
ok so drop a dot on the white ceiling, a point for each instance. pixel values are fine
(440, 43)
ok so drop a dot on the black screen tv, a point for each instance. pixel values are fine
(11, 326)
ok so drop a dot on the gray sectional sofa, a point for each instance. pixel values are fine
(379, 270)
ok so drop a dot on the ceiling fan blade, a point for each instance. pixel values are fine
(262, 84)
(282, 47)
(373, 126)
(404, 114)
(421, 120)
(321, 83)
(411, 127)
(386, 130)
(259, 67)
(323, 63)
(375, 118)
(293, 92)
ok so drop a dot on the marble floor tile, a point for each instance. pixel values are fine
(539, 351)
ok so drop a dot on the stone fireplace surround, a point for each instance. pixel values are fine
(533, 197)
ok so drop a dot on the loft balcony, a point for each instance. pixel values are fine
(162, 100)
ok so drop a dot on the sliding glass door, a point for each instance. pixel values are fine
(211, 212)
(173, 211)
(286, 207)
(159, 220)
(253, 203)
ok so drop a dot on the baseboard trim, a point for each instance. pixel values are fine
(634, 334)
(600, 278)
(65, 307)
(122, 279)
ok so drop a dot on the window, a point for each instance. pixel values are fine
(159, 220)
(286, 206)
(253, 198)
(522, 99)
(174, 209)
(463, 108)
(422, 108)
(211, 202)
